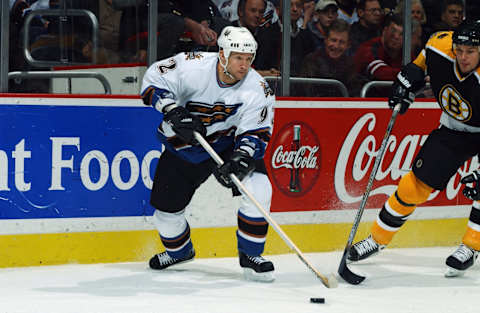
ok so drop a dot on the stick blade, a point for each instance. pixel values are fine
(349, 276)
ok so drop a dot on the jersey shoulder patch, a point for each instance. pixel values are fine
(165, 66)
(441, 42)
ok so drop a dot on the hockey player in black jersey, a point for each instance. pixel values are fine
(451, 59)
(221, 97)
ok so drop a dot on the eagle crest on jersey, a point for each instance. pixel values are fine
(170, 65)
(212, 113)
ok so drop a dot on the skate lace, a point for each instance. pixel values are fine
(463, 253)
(165, 259)
(256, 259)
(366, 246)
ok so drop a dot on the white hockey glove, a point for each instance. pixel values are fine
(473, 192)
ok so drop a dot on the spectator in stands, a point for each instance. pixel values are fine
(418, 13)
(108, 30)
(199, 18)
(451, 15)
(302, 39)
(347, 11)
(370, 16)
(381, 58)
(325, 14)
(269, 38)
(229, 11)
(332, 62)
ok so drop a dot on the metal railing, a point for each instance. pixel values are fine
(59, 74)
(61, 13)
(374, 83)
(314, 81)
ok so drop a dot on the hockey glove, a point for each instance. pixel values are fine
(184, 124)
(472, 193)
(409, 80)
(241, 164)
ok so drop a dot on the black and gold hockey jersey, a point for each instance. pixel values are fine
(459, 97)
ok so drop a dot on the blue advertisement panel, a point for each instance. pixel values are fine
(76, 161)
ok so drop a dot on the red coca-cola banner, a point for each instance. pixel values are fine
(321, 155)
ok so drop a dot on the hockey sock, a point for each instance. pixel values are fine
(251, 234)
(174, 233)
(395, 212)
(472, 235)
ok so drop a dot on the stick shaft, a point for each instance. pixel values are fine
(371, 179)
(262, 210)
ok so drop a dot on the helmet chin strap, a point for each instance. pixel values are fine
(225, 71)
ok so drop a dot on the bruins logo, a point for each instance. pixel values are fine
(454, 104)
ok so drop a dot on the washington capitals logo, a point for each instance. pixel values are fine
(212, 113)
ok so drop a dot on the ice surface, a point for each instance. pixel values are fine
(398, 280)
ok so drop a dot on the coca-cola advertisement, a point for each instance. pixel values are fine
(321, 156)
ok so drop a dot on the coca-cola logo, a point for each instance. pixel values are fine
(357, 156)
(295, 161)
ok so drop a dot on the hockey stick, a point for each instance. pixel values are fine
(330, 281)
(343, 270)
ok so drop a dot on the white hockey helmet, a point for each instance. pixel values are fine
(237, 39)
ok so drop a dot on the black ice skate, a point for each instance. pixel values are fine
(364, 249)
(256, 268)
(163, 260)
(463, 258)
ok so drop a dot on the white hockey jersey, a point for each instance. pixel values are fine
(232, 114)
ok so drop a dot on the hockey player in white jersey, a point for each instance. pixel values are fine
(220, 96)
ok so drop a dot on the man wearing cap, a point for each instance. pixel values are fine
(325, 14)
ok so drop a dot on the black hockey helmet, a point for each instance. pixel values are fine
(468, 33)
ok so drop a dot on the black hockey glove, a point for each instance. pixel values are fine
(184, 124)
(241, 164)
(409, 80)
(472, 193)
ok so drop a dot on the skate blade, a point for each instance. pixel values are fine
(453, 272)
(266, 277)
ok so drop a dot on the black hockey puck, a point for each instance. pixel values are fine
(317, 300)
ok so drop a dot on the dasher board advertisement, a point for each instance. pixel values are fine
(321, 154)
(95, 157)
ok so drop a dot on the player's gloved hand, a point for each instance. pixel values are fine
(241, 164)
(410, 79)
(473, 192)
(184, 124)
(401, 94)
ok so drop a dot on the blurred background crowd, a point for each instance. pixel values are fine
(352, 41)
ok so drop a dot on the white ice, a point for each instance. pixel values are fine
(399, 280)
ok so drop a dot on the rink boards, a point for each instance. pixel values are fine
(76, 173)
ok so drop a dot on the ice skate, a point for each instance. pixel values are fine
(256, 268)
(460, 260)
(163, 260)
(364, 249)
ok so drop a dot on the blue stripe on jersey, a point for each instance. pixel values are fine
(196, 154)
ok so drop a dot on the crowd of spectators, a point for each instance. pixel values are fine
(353, 41)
